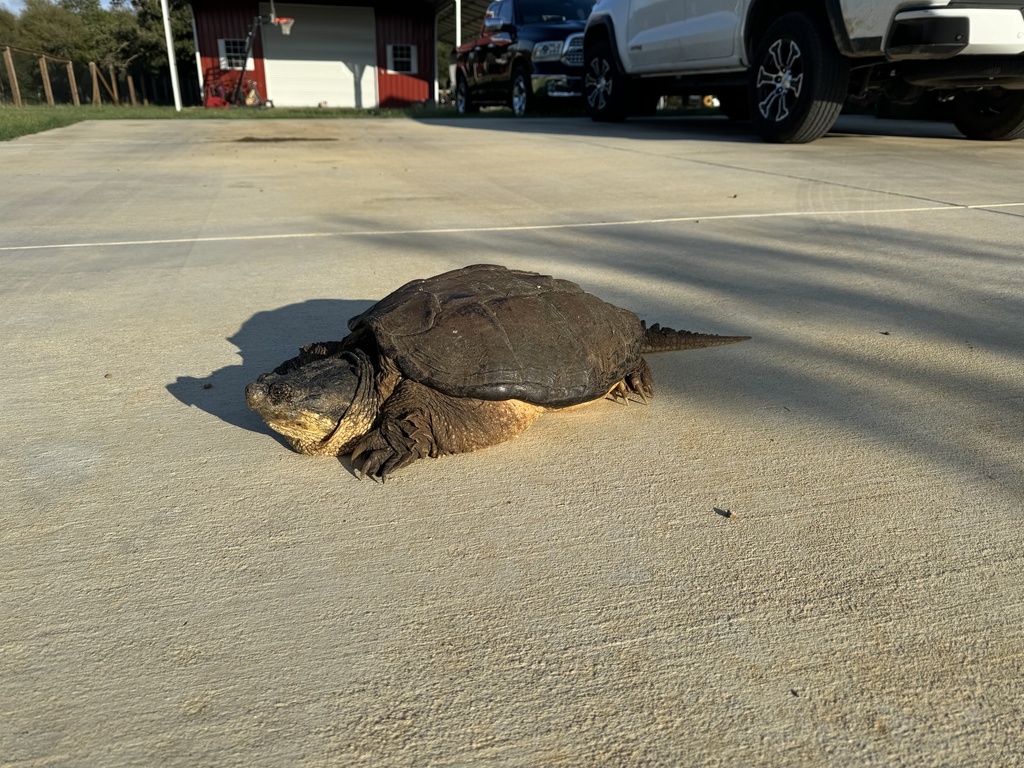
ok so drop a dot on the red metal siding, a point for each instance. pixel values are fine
(215, 21)
(397, 23)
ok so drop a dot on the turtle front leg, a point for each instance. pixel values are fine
(417, 421)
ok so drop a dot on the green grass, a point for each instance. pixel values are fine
(22, 121)
(19, 121)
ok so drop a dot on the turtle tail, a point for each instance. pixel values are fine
(658, 339)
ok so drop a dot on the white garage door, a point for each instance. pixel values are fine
(330, 57)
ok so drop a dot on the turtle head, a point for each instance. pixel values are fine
(321, 403)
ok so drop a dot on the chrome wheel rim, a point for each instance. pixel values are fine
(519, 96)
(598, 84)
(780, 80)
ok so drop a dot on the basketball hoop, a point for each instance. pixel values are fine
(285, 24)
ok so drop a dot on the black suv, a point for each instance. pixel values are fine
(527, 49)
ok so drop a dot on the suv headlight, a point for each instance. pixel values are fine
(549, 50)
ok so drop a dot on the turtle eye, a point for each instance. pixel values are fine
(279, 392)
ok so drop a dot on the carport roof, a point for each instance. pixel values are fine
(472, 13)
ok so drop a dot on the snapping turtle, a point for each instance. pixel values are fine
(456, 362)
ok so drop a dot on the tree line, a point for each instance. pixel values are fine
(126, 36)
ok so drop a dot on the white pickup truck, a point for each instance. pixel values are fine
(789, 65)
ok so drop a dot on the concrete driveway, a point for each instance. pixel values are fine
(807, 550)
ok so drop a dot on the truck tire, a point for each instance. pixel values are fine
(990, 114)
(521, 92)
(798, 81)
(462, 101)
(604, 85)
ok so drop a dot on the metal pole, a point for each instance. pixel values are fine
(458, 23)
(199, 59)
(170, 55)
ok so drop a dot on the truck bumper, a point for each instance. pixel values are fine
(941, 33)
(557, 86)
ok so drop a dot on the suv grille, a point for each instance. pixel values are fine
(574, 51)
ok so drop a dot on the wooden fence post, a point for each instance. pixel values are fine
(97, 78)
(113, 85)
(12, 76)
(44, 72)
(74, 84)
(95, 84)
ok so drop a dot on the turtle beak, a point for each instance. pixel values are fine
(261, 394)
(256, 393)
(275, 399)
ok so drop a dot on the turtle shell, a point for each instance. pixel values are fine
(493, 333)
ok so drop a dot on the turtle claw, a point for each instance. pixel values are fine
(620, 393)
(381, 463)
(369, 455)
(393, 445)
(370, 466)
(634, 384)
(639, 381)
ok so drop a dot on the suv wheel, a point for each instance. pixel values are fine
(990, 114)
(462, 102)
(521, 95)
(798, 82)
(603, 85)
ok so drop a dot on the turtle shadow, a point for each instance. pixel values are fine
(264, 341)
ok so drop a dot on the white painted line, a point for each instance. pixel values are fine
(517, 228)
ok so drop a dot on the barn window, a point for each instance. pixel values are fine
(232, 54)
(402, 59)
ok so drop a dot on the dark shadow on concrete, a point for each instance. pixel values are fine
(706, 127)
(264, 341)
(868, 125)
(671, 128)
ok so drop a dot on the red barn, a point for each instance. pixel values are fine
(375, 53)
